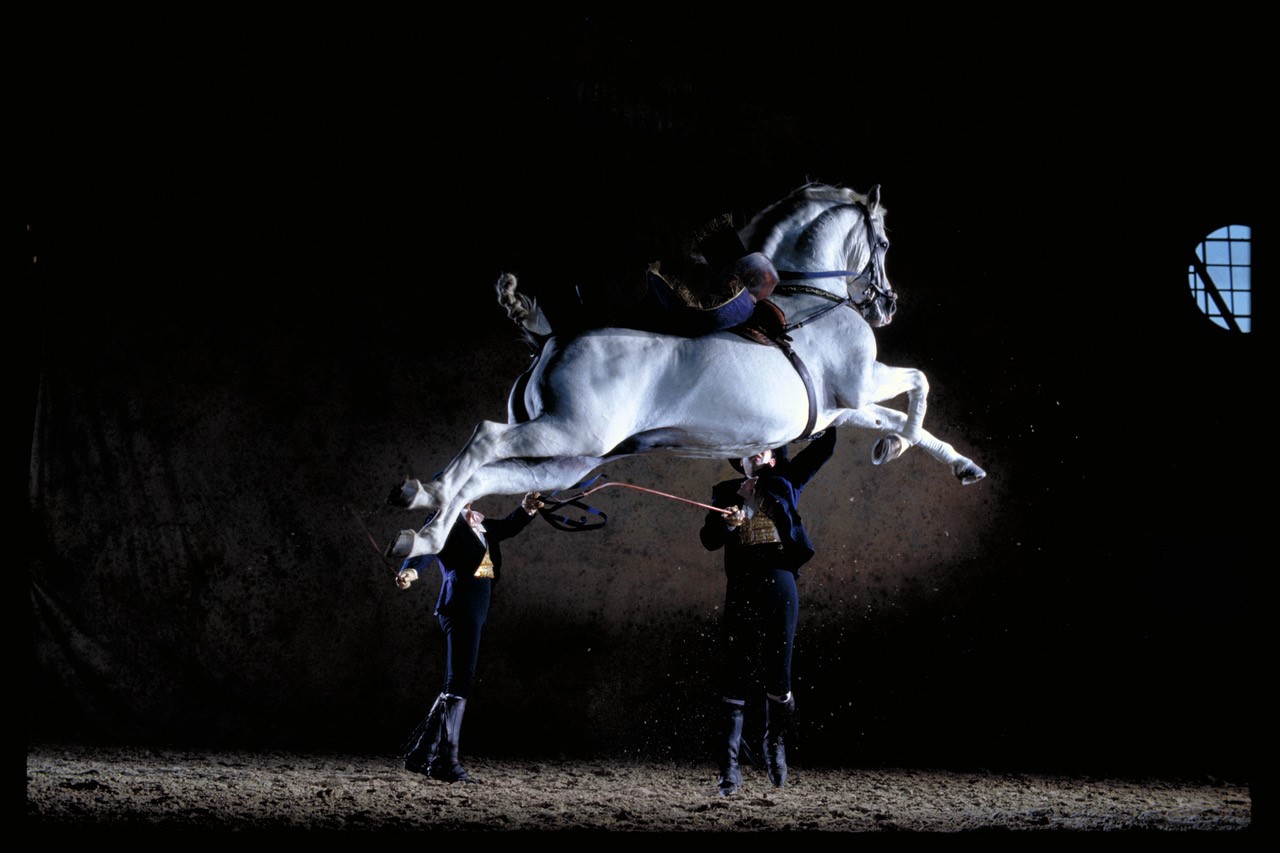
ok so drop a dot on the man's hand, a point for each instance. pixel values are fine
(532, 503)
(405, 577)
(734, 516)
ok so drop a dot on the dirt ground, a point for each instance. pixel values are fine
(75, 789)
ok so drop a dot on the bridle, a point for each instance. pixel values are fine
(872, 274)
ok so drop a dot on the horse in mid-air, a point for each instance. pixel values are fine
(594, 396)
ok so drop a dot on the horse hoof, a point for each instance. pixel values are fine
(403, 546)
(406, 494)
(887, 448)
(970, 475)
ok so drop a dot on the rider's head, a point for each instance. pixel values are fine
(756, 273)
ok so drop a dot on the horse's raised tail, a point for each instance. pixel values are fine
(523, 310)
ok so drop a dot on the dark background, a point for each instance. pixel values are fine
(260, 293)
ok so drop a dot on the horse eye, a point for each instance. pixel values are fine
(884, 244)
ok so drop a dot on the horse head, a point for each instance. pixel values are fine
(870, 289)
(834, 239)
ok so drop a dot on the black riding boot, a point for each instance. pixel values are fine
(433, 746)
(730, 773)
(777, 721)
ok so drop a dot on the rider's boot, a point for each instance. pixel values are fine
(730, 742)
(779, 714)
(433, 748)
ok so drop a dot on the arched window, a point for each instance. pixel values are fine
(1221, 277)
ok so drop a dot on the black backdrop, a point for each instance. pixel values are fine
(262, 292)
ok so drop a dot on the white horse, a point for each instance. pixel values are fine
(607, 393)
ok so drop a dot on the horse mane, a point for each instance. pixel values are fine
(764, 223)
(827, 192)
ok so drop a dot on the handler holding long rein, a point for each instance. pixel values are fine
(765, 544)
(469, 565)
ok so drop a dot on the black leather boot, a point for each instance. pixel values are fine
(778, 717)
(433, 746)
(730, 772)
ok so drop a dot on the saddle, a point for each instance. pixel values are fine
(766, 325)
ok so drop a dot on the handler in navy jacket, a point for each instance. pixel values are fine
(765, 544)
(470, 562)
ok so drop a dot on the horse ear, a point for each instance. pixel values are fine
(873, 197)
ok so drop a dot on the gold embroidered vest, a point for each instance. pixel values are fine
(759, 529)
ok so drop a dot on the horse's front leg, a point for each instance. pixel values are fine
(889, 423)
(884, 383)
(891, 382)
(892, 422)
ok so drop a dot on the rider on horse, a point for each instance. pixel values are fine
(738, 290)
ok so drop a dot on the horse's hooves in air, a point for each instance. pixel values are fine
(403, 546)
(970, 474)
(888, 448)
(404, 494)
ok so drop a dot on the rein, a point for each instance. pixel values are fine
(792, 289)
(550, 513)
(639, 489)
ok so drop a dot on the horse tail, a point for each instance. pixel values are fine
(523, 310)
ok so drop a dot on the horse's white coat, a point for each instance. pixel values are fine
(610, 393)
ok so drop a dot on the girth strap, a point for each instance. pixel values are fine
(783, 342)
(798, 364)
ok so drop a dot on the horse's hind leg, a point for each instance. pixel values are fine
(479, 449)
(441, 494)
(430, 538)
(508, 477)
(410, 494)
(538, 440)
(517, 476)
(491, 442)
